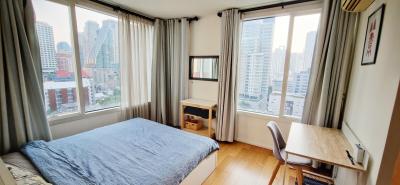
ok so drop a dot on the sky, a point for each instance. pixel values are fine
(302, 25)
(59, 18)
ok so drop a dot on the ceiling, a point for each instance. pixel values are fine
(185, 8)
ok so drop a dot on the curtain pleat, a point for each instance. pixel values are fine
(135, 43)
(22, 114)
(170, 69)
(227, 75)
(331, 67)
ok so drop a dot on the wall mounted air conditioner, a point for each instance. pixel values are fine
(355, 5)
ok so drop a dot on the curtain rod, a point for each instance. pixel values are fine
(281, 4)
(195, 18)
(115, 7)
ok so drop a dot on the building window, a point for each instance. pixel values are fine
(94, 55)
(276, 54)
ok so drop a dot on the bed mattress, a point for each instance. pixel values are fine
(136, 151)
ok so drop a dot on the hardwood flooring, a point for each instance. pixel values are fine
(396, 171)
(243, 164)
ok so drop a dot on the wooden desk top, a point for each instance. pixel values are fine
(323, 144)
(205, 104)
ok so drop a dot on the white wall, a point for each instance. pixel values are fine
(373, 88)
(77, 126)
(251, 128)
(205, 40)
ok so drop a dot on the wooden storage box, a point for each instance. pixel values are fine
(193, 126)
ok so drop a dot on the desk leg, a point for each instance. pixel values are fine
(209, 122)
(182, 117)
(284, 170)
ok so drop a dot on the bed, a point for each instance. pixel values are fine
(136, 151)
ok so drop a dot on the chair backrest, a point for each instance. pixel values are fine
(279, 142)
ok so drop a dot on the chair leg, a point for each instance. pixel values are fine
(299, 176)
(276, 169)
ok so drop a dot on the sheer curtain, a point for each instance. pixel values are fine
(170, 69)
(227, 75)
(135, 46)
(22, 108)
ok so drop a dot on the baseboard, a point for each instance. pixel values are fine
(254, 143)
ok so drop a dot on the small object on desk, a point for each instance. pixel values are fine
(359, 154)
(350, 157)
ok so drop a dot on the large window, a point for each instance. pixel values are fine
(57, 57)
(276, 54)
(79, 56)
(98, 48)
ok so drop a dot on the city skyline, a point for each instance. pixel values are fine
(262, 67)
(98, 51)
(64, 35)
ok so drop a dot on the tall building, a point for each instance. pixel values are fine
(105, 49)
(309, 47)
(63, 47)
(47, 49)
(87, 43)
(64, 58)
(256, 59)
(61, 96)
(98, 46)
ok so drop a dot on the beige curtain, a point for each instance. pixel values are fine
(22, 108)
(170, 69)
(227, 75)
(331, 68)
(136, 45)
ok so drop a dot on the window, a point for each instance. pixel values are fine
(301, 56)
(275, 62)
(100, 70)
(97, 85)
(56, 53)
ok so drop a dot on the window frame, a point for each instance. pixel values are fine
(81, 112)
(292, 12)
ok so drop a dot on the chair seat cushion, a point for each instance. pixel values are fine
(296, 160)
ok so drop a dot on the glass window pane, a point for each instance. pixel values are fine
(301, 57)
(98, 48)
(261, 65)
(56, 53)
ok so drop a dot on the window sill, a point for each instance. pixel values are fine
(268, 117)
(79, 116)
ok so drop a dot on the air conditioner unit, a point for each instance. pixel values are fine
(356, 5)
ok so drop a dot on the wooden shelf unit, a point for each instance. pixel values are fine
(203, 104)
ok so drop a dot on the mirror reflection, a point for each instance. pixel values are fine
(204, 68)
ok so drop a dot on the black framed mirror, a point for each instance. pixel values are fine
(203, 68)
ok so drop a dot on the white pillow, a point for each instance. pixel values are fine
(24, 177)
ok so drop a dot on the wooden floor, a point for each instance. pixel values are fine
(243, 164)
(396, 171)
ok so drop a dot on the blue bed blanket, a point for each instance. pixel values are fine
(136, 151)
